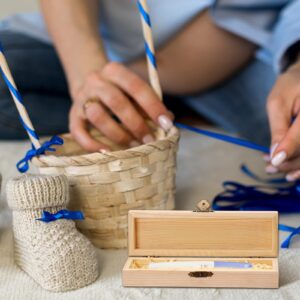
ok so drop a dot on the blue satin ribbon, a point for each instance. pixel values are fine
(272, 195)
(250, 174)
(294, 231)
(23, 164)
(62, 214)
(238, 196)
(267, 197)
(226, 138)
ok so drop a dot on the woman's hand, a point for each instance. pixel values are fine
(120, 92)
(283, 109)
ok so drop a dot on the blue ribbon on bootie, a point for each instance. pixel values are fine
(62, 214)
(23, 164)
(294, 231)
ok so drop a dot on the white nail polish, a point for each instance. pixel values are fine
(104, 151)
(279, 158)
(148, 139)
(165, 122)
(134, 143)
(273, 149)
(271, 170)
(290, 177)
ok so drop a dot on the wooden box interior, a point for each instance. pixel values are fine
(209, 234)
(156, 236)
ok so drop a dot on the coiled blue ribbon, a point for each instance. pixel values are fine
(23, 164)
(62, 214)
(284, 198)
(237, 196)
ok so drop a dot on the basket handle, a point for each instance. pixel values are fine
(37, 148)
(25, 120)
(149, 47)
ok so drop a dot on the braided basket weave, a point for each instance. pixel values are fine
(106, 186)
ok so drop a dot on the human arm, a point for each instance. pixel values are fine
(284, 100)
(73, 26)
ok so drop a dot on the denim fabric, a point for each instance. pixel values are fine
(237, 105)
(41, 81)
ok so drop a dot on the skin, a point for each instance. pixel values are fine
(123, 90)
(283, 105)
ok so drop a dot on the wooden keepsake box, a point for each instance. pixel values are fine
(187, 249)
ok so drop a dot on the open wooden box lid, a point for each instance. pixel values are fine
(204, 234)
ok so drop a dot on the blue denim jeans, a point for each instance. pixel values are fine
(237, 105)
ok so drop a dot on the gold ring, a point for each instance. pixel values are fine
(88, 102)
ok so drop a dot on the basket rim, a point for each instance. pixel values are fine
(98, 157)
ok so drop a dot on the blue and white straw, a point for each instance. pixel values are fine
(37, 148)
(7, 76)
(149, 47)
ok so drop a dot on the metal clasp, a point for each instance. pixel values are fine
(203, 206)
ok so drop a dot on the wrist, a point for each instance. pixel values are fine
(91, 59)
(78, 80)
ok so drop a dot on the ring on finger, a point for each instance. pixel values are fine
(88, 103)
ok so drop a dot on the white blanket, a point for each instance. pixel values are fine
(203, 164)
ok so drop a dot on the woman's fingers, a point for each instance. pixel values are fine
(293, 176)
(101, 120)
(279, 120)
(140, 91)
(288, 146)
(128, 97)
(80, 134)
(124, 109)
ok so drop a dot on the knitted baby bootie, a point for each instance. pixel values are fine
(54, 254)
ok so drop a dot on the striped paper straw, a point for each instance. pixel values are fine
(7, 76)
(149, 47)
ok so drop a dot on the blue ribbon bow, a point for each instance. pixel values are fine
(62, 214)
(23, 164)
(294, 231)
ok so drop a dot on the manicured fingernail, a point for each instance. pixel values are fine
(103, 151)
(273, 148)
(165, 122)
(148, 139)
(134, 143)
(290, 177)
(279, 158)
(271, 170)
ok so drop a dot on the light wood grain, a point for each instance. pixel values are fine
(185, 233)
(234, 278)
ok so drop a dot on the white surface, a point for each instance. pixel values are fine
(181, 264)
(203, 164)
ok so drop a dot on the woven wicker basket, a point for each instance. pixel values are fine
(106, 186)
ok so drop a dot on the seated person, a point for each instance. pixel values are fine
(226, 60)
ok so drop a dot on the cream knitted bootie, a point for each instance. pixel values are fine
(54, 254)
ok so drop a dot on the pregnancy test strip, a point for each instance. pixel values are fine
(199, 264)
